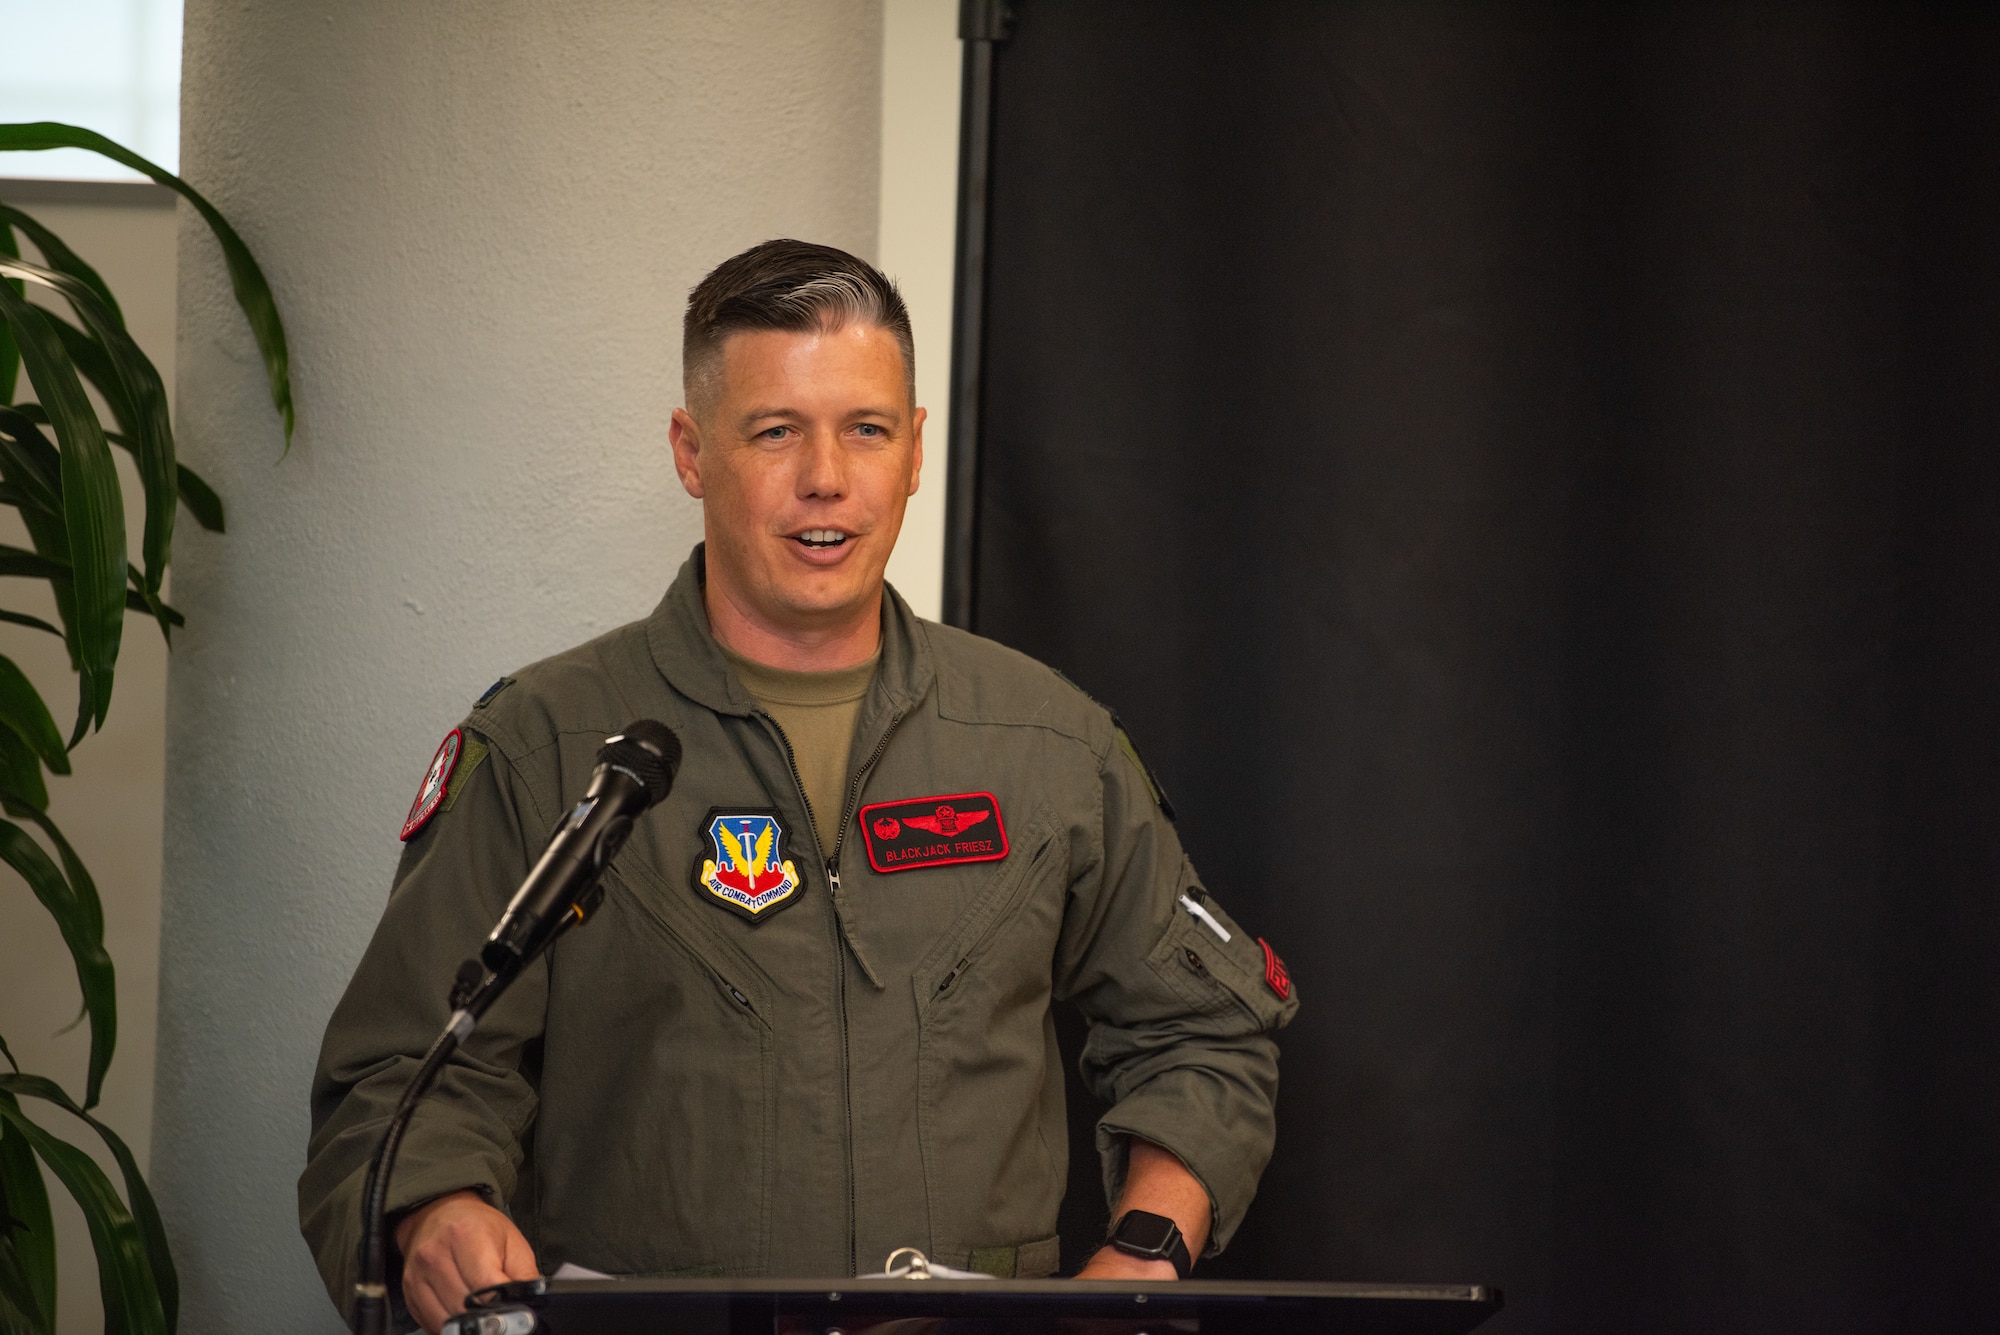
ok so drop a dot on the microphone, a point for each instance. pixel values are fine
(635, 771)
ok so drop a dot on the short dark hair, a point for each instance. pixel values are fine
(788, 285)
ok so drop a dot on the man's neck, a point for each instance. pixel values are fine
(828, 647)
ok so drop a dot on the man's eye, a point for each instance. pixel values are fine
(869, 429)
(774, 433)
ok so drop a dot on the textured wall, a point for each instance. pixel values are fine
(920, 68)
(481, 223)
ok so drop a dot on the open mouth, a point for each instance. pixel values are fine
(821, 539)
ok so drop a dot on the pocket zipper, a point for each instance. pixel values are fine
(951, 977)
(999, 919)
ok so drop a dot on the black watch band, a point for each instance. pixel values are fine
(1152, 1236)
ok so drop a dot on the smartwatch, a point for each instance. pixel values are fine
(1152, 1236)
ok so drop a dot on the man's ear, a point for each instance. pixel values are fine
(917, 448)
(684, 433)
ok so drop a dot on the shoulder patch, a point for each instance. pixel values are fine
(486, 698)
(431, 795)
(1125, 744)
(469, 759)
(1160, 797)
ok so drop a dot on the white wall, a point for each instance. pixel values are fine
(919, 212)
(481, 230)
(110, 806)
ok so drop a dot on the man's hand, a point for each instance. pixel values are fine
(1159, 1183)
(453, 1246)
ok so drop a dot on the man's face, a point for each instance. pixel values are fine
(803, 464)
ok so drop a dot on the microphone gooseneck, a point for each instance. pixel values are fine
(635, 771)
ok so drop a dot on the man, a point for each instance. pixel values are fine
(810, 1023)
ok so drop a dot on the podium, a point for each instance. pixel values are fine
(880, 1306)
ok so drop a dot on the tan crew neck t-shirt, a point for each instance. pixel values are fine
(817, 710)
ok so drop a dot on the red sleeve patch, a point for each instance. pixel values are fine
(436, 779)
(1275, 976)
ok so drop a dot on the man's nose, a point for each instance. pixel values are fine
(822, 466)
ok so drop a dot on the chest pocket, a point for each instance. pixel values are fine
(988, 1129)
(1009, 930)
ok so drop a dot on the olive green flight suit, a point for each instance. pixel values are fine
(872, 1064)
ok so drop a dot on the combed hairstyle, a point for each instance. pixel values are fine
(794, 286)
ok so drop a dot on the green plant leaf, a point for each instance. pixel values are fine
(21, 774)
(195, 494)
(18, 1315)
(10, 356)
(124, 1275)
(21, 709)
(31, 1234)
(201, 500)
(253, 294)
(136, 600)
(58, 256)
(23, 619)
(108, 357)
(80, 919)
(80, 884)
(92, 506)
(29, 462)
(145, 1212)
(93, 363)
(102, 1012)
(14, 561)
(88, 687)
(32, 565)
(131, 387)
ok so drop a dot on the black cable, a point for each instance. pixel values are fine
(371, 1289)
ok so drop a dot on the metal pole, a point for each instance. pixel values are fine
(981, 24)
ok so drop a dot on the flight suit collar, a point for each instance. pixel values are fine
(685, 651)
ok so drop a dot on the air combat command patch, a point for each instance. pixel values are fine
(933, 831)
(745, 868)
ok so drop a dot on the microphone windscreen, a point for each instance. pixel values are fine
(648, 749)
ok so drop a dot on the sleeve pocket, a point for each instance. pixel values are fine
(1215, 975)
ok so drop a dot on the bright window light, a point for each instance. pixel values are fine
(113, 66)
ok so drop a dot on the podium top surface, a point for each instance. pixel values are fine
(993, 1307)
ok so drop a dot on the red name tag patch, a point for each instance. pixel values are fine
(933, 831)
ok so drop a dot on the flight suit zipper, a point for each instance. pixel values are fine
(832, 865)
(854, 796)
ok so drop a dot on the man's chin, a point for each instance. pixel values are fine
(824, 595)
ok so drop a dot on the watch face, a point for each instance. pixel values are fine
(1141, 1231)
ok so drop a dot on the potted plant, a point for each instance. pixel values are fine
(57, 471)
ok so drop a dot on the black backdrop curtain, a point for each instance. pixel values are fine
(1528, 477)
